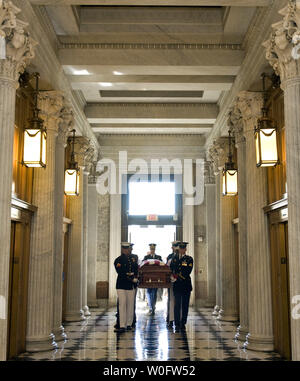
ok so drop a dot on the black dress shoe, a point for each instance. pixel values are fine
(170, 324)
(120, 330)
(116, 326)
(177, 329)
(129, 328)
(182, 327)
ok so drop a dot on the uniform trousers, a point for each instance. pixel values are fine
(151, 297)
(134, 306)
(170, 314)
(181, 308)
(126, 304)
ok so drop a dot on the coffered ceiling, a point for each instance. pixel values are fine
(151, 67)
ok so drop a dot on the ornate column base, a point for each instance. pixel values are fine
(241, 333)
(41, 344)
(210, 303)
(60, 334)
(216, 310)
(225, 316)
(86, 311)
(74, 316)
(259, 343)
(93, 304)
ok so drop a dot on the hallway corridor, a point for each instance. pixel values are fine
(206, 338)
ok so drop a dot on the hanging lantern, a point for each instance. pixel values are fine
(229, 181)
(265, 138)
(230, 175)
(72, 174)
(35, 137)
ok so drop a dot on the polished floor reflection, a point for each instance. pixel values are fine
(206, 338)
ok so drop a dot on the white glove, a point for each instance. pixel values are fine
(135, 280)
(172, 279)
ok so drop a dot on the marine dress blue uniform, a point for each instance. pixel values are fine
(181, 268)
(170, 303)
(127, 268)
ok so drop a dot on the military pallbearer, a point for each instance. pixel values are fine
(181, 267)
(127, 268)
(151, 293)
(170, 303)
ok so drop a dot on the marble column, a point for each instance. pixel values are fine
(210, 201)
(103, 239)
(260, 335)
(75, 287)
(226, 263)
(74, 310)
(240, 142)
(292, 125)
(92, 242)
(217, 155)
(218, 246)
(283, 54)
(65, 126)
(114, 245)
(85, 307)
(43, 251)
(228, 310)
(89, 157)
(188, 235)
(19, 51)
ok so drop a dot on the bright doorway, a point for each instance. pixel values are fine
(142, 235)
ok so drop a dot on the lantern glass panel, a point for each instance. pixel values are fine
(34, 143)
(224, 184)
(44, 145)
(230, 182)
(257, 148)
(268, 141)
(71, 182)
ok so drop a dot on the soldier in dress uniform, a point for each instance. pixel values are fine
(170, 303)
(127, 268)
(181, 267)
(151, 293)
(135, 286)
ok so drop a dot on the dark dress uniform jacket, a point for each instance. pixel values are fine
(125, 264)
(136, 257)
(170, 256)
(149, 256)
(182, 268)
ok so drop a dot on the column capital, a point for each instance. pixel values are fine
(50, 104)
(209, 177)
(217, 154)
(93, 173)
(66, 124)
(85, 151)
(236, 125)
(284, 43)
(249, 104)
(17, 45)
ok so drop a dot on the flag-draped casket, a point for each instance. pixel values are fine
(154, 274)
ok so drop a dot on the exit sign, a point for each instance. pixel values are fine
(152, 217)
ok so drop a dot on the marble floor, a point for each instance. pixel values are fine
(206, 338)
